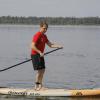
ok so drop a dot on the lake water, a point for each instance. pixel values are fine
(76, 66)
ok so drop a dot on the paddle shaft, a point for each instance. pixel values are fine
(27, 61)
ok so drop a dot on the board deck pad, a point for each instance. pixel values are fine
(49, 92)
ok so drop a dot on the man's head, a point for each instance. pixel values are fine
(43, 27)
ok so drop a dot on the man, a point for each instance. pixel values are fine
(37, 53)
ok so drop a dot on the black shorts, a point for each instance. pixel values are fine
(38, 62)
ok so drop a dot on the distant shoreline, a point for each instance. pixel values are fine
(51, 20)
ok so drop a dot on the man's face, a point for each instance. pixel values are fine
(43, 29)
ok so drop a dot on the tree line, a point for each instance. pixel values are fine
(50, 20)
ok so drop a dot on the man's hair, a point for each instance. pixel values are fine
(43, 23)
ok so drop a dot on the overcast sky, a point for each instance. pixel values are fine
(52, 8)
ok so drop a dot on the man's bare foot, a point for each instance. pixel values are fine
(44, 88)
(38, 86)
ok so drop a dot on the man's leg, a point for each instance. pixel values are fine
(39, 79)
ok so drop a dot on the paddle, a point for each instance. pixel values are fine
(27, 60)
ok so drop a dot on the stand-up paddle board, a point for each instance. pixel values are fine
(49, 92)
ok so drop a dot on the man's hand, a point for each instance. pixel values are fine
(41, 54)
(59, 46)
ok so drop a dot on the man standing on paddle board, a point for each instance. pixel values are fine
(37, 53)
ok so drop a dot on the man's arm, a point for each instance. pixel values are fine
(53, 45)
(33, 46)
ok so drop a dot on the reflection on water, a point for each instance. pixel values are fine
(48, 98)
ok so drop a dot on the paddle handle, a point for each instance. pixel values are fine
(27, 60)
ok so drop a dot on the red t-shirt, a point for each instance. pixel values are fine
(40, 39)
